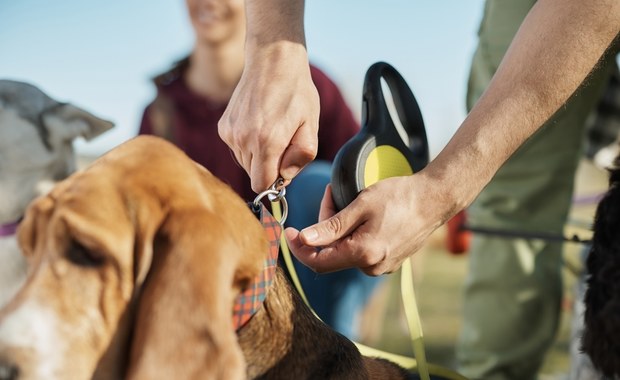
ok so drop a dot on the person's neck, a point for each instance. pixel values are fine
(214, 71)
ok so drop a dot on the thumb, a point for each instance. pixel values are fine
(301, 150)
(333, 228)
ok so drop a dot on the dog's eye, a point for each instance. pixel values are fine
(82, 256)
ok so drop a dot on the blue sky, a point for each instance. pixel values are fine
(100, 55)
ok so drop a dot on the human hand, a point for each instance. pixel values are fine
(385, 224)
(271, 122)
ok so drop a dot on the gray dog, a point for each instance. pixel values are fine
(36, 150)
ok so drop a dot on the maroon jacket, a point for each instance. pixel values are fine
(190, 121)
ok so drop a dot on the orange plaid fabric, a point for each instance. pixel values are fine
(250, 300)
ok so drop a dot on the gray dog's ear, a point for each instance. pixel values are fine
(66, 122)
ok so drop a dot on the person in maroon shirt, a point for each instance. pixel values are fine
(191, 98)
(189, 119)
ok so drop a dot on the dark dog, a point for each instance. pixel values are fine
(601, 338)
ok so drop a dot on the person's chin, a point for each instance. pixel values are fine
(212, 34)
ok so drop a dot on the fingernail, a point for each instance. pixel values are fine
(310, 235)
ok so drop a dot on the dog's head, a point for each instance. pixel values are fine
(143, 229)
(36, 143)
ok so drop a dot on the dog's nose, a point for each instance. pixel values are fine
(8, 372)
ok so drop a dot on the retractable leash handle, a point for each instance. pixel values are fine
(377, 151)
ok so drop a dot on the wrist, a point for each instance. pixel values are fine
(449, 191)
(276, 53)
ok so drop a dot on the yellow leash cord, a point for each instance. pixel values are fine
(420, 365)
(413, 317)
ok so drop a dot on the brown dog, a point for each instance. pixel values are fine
(134, 265)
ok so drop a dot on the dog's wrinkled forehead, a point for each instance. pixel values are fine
(29, 102)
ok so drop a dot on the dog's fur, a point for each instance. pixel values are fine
(140, 256)
(601, 338)
(284, 340)
(36, 136)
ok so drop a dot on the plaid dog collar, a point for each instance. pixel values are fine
(248, 302)
(9, 229)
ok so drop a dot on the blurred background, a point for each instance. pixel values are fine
(101, 55)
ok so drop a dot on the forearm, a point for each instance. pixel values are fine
(271, 121)
(558, 44)
(274, 21)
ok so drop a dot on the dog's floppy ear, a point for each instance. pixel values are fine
(66, 122)
(183, 326)
(203, 253)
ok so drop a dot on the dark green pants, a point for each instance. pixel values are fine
(513, 289)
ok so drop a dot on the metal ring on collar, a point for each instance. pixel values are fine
(275, 192)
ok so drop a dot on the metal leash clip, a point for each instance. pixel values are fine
(275, 192)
